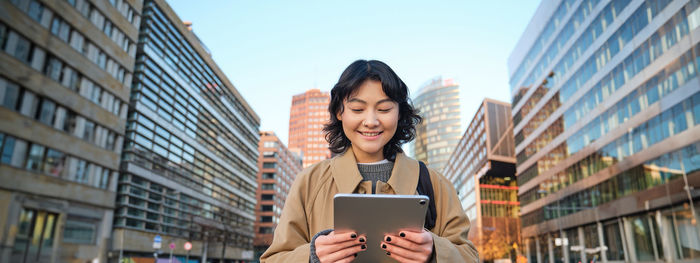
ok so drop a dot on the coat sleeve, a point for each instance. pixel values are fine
(452, 228)
(291, 238)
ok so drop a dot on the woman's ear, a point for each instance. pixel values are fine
(339, 115)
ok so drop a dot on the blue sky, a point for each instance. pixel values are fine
(272, 50)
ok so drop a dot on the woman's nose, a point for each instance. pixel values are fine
(370, 120)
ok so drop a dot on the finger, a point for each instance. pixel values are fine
(422, 237)
(343, 253)
(402, 242)
(362, 239)
(402, 252)
(333, 238)
(328, 249)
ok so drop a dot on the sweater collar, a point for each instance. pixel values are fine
(404, 175)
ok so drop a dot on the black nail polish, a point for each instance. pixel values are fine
(388, 253)
(362, 239)
(355, 254)
(388, 239)
(363, 247)
(402, 234)
(353, 235)
(383, 245)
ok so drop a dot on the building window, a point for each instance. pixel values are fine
(35, 158)
(267, 197)
(613, 240)
(265, 230)
(266, 219)
(81, 175)
(88, 131)
(35, 236)
(46, 111)
(647, 241)
(685, 233)
(21, 49)
(268, 176)
(9, 94)
(266, 208)
(79, 232)
(269, 165)
(54, 162)
(268, 186)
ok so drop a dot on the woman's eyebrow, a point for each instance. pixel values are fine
(364, 102)
(356, 100)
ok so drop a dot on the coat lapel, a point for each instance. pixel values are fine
(345, 172)
(404, 175)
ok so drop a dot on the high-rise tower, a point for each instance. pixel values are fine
(436, 137)
(308, 114)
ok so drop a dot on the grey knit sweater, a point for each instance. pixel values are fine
(369, 172)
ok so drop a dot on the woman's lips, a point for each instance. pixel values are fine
(370, 135)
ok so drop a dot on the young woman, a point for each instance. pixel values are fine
(370, 118)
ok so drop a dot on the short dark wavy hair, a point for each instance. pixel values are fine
(351, 79)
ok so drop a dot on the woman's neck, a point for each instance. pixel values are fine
(364, 157)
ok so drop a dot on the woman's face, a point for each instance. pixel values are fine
(369, 120)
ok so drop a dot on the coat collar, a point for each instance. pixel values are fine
(404, 175)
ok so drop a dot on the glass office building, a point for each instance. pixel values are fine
(190, 157)
(436, 137)
(65, 75)
(606, 107)
(482, 169)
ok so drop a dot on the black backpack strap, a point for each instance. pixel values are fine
(425, 187)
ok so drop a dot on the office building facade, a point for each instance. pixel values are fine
(65, 75)
(436, 137)
(190, 156)
(277, 168)
(606, 107)
(308, 114)
(482, 169)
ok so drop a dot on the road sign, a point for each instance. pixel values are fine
(156, 242)
(172, 245)
(188, 246)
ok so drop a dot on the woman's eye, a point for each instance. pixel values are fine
(356, 110)
(385, 110)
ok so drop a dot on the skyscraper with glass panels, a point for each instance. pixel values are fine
(606, 107)
(65, 75)
(436, 137)
(482, 169)
(190, 157)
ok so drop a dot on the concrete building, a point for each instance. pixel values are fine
(308, 114)
(606, 107)
(189, 162)
(482, 169)
(277, 168)
(65, 75)
(436, 137)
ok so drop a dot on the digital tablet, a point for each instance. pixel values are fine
(375, 215)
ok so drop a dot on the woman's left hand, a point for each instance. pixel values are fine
(409, 246)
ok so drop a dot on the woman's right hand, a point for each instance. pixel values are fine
(339, 247)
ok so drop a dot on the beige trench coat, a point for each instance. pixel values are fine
(309, 208)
